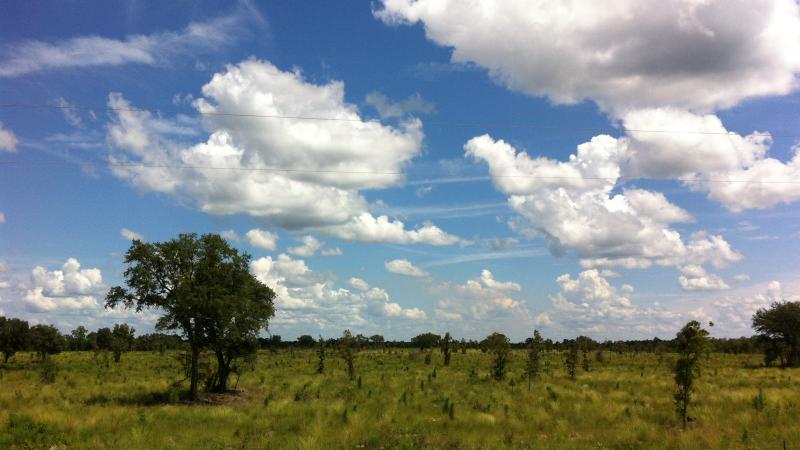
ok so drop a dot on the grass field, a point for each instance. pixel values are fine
(400, 402)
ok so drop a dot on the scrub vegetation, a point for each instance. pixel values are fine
(397, 401)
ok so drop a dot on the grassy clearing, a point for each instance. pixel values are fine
(624, 403)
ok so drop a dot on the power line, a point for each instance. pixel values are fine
(380, 173)
(356, 120)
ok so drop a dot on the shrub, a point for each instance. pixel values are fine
(25, 432)
(691, 343)
(571, 361)
(48, 371)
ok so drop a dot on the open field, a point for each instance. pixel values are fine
(400, 402)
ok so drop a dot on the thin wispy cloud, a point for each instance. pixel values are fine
(35, 56)
(487, 256)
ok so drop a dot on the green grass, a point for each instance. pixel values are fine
(623, 403)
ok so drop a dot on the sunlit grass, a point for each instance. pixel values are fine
(625, 402)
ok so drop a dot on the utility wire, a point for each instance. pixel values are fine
(379, 173)
(345, 119)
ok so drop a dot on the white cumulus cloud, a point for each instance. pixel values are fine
(696, 55)
(70, 288)
(265, 240)
(404, 267)
(309, 247)
(295, 173)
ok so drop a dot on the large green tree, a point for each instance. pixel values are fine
(426, 340)
(204, 289)
(13, 337)
(779, 326)
(122, 339)
(45, 340)
(78, 339)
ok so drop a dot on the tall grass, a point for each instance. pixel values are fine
(625, 401)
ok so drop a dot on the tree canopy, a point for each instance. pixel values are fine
(13, 336)
(779, 327)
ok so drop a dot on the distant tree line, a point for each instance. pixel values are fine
(17, 335)
(778, 340)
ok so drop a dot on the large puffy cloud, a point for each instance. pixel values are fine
(32, 56)
(696, 278)
(309, 247)
(306, 298)
(765, 183)
(654, 73)
(8, 140)
(696, 55)
(71, 288)
(571, 203)
(668, 142)
(293, 172)
(265, 240)
(575, 205)
(734, 170)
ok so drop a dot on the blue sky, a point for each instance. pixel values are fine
(472, 168)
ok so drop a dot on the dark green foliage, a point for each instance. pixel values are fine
(13, 337)
(571, 361)
(45, 340)
(346, 347)
(377, 340)
(426, 340)
(48, 371)
(321, 355)
(585, 360)
(446, 348)
(78, 339)
(159, 342)
(25, 433)
(691, 343)
(779, 327)
(102, 339)
(306, 341)
(121, 340)
(533, 363)
(204, 289)
(498, 345)
(428, 358)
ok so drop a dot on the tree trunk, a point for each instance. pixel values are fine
(6, 356)
(195, 372)
(223, 372)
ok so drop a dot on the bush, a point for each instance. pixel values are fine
(48, 371)
(24, 432)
